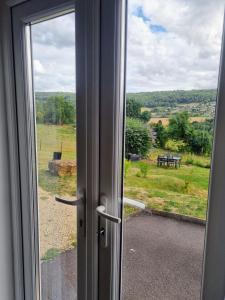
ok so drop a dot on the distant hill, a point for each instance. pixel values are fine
(44, 95)
(199, 103)
(173, 98)
(163, 103)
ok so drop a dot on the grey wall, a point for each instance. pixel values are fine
(6, 253)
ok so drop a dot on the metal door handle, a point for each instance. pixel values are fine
(75, 202)
(134, 203)
(101, 212)
(68, 202)
(104, 220)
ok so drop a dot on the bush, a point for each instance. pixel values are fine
(195, 160)
(137, 140)
(200, 142)
(133, 108)
(145, 116)
(179, 126)
(175, 146)
(161, 135)
(144, 168)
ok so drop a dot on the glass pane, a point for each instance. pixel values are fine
(173, 56)
(53, 47)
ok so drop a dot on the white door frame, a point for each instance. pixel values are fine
(23, 150)
(213, 284)
(112, 95)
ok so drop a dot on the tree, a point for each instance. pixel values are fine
(179, 126)
(133, 108)
(200, 142)
(39, 112)
(145, 116)
(161, 134)
(55, 110)
(137, 140)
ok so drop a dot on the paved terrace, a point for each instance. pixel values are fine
(162, 261)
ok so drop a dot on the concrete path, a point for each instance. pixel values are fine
(162, 261)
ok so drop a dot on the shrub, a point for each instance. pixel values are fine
(137, 140)
(145, 116)
(200, 142)
(176, 146)
(144, 168)
(195, 160)
(179, 126)
(133, 108)
(161, 135)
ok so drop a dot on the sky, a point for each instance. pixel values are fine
(173, 44)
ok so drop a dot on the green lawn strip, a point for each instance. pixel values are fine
(170, 201)
(57, 185)
(51, 254)
(197, 176)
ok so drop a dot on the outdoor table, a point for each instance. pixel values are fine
(169, 161)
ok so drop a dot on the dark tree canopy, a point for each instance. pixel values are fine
(133, 108)
(145, 116)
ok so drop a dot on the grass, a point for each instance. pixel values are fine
(51, 138)
(51, 253)
(182, 191)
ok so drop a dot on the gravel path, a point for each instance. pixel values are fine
(57, 223)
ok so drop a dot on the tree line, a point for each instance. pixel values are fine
(183, 136)
(56, 110)
(173, 98)
(180, 135)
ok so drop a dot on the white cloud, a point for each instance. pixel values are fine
(173, 44)
(54, 54)
(38, 67)
(186, 56)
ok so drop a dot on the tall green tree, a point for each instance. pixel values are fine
(133, 108)
(145, 116)
(58, 111)
(179, 126)
(161, 134)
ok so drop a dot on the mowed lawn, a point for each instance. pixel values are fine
(182, 191)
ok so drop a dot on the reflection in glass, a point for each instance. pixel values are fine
(53, 47)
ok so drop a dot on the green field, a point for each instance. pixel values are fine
(51, 138)
(183, 190)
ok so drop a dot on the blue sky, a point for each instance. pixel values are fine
(173, 44)
(156, 28)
